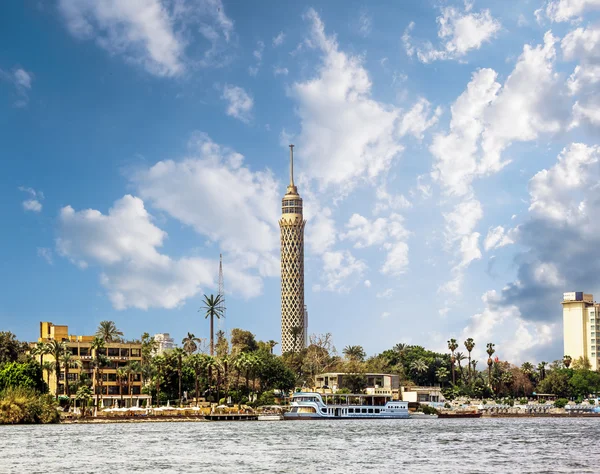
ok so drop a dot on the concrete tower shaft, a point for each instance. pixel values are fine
(291, 225)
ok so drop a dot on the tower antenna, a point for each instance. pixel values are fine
(291, 165)
(221, 294)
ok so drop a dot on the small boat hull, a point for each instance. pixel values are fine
(270, 417)
(459, 415)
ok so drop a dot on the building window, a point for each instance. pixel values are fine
(136, 352)
(113, 352)
(84, 351)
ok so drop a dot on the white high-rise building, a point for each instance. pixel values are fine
(164, 342)
(581, 327)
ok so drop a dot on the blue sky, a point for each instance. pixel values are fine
(446, 151)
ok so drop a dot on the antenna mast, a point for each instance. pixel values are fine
(220, 321)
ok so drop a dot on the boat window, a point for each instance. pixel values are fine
(364, 410)
(324, 410)
(350, 410)
(370, 410)
(376, 410)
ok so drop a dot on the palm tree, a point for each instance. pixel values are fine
(41, 349)
(542, 369)
(134, 367)
(442, 374)
(296, 332)
(272, 344)
(68, 362)
(474, 365)
(160, 363)
(108, 331)
(197, 362)
(48, 367)
(469, 345)
(419, 366)
(190, 343)
(179, 354)
(121, 376)
(83, 396)
(356, 353)
(99, 362)
(490, 352)
(400, 348)
(57, 349)
(213, 307)
(567, 361)
(459, 356)
(452, 345)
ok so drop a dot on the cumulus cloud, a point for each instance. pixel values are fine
(191, 191)
(278, 40)
(239, 103)
(387, 293)
(346, 136)
(417, 120)
(151, 33)
(46, 254)
(459, 33)
(566, 10)
(564, 206)
(386, 201)
(388, 233)
(341, 272)
(280, 71)
(21, 80)
(34, 203)
(498, 237)
(258, 54)
(365, 24)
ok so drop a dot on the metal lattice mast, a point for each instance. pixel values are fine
(220, 321)
(291, 224)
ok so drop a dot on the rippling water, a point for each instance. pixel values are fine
(413, 446)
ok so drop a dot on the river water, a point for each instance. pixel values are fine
(483, 445)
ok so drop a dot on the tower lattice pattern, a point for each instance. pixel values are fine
(292, 282)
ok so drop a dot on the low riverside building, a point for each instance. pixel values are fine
(376, 384)
(107, 387)
(418, 394)
(581, 327)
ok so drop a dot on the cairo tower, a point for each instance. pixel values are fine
(293, 322)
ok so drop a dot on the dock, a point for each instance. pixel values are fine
(231, 417)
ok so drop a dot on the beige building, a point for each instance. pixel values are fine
(581, 328)
(164, 342)
(377, 384)
(118, 354)
(293, 312)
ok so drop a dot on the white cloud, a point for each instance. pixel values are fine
(417, 120)
(388, 233)
(278, 40)
(365, 24)
(277, 71)
(497, 237)
(459, 32)
(46, 254)
(32, 204)
(516, 339)
(258, 54)
(21, 80)
(320, 234)
(387, 293)
(565, 10)
(239, 102)
(346, 136)
(151, 33)
(124, 244)
(583, 45)
(385, 315)
(191, 191)
(387, 201)
(341, 271)
(367, 283)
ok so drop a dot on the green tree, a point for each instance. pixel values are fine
(108, 331)
(131, 369)
(242, 341)
(584, 382)
(198, 364)
(442, 375)
(121, 378)
(57, 349)
(459, 357)
(11, 349)
(469, 345)
(69, 362)
(567, 359)
(83, 396)
(22, 374)
(213, 308)
(179, 355)
(452, 346)
(490, 352)
(296, 332)
(190, 343)
(99, 361)
(556, 382)
(40, 349)
(419, 366)
(356, 353)
(542, 369)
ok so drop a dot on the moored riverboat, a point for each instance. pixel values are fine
(314, 406)
(459, 414)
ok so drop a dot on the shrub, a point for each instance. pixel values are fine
(542, 400)
(447, 405)
(561, 403)
(429, 410)
(523, 401)
(22, 405)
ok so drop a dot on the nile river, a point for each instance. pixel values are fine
(388, 446)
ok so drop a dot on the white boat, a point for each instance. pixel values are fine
(312, 405)
(270, 417)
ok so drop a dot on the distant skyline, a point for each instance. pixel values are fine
(446, 152)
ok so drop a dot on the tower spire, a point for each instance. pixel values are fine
(291, 165)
